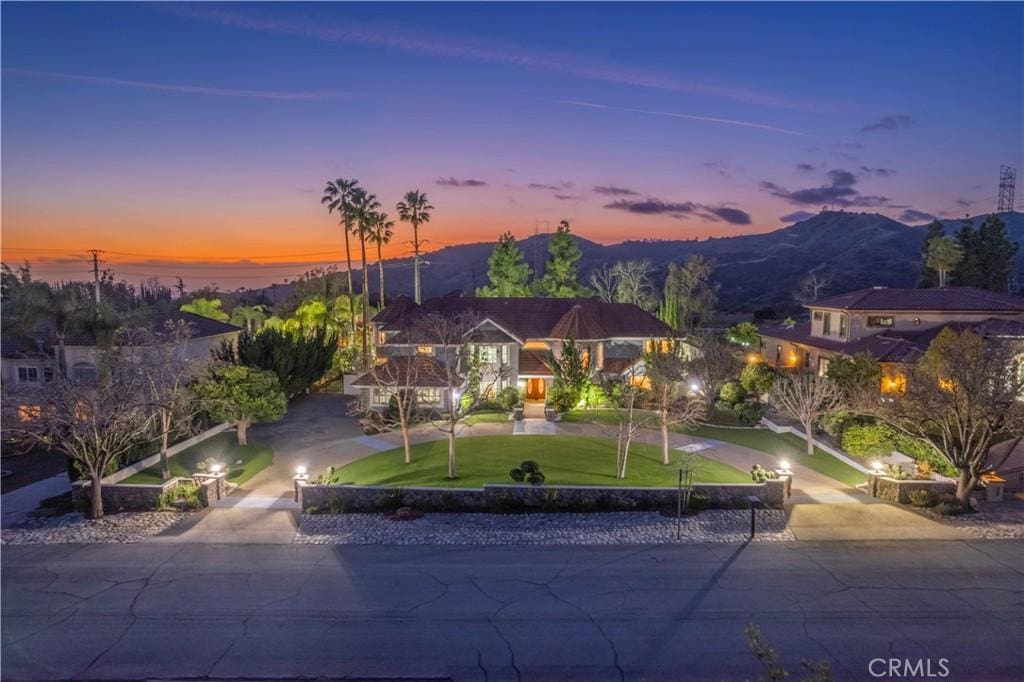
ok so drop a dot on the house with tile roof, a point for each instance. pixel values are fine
(894, 326)
(516, 340)
(29, 360)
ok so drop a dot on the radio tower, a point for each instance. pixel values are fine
(1007, 184)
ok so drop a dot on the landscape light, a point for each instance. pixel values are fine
(877, 466)
(784, 464)
(216, 467)
(300, 470)
(695, 387)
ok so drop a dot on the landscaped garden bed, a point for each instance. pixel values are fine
(565, 460)
(240, 462)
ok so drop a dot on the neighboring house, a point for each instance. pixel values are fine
(516, 340)
(29, 361)
(894, 326)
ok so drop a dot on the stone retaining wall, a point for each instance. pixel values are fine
(123, 497)
(501, 497)
(894, 490)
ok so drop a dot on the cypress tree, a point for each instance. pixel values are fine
(508, 272)
(560, 277)
(929, 277)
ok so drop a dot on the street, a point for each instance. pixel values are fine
(161, 611)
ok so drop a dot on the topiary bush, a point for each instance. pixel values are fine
(758, 474)
(528, 471)
(732, 393)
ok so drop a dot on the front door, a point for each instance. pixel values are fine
(535, 389)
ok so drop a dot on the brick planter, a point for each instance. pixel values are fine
(894, 490)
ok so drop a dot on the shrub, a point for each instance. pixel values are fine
(529, 466)
(835, 424)
(517, 475)
(748, 413)
(563, 398)
(757, 378)
(535, 478)
(594, 396)
(183, 495)
(699, 501)
(528, 471)
(732, 393)
(920, 498)
(758, 474)
(868, 440)
(508, 398)
(948, 505)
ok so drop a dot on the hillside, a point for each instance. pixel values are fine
(854, 249)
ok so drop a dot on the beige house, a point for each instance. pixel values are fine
(515, 339)
(894, 326)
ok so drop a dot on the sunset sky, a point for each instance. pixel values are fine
(194, 140)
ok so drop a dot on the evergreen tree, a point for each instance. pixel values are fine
(689, 285)
(988, 255)
(928, 277)
(509, 273)
(560, 279)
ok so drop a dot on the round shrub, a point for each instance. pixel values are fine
(529, 466)
(757, 378)
(508, 397)
(748, 413)
(517, 475)
(535, 478)
(732, 393)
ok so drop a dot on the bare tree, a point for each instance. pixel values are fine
(605, 283)
(450, 336)
(93, 423)
(626, 396)
(714, 363)
(964, 392)
(167, 372)
(402, 374)
(811, 287)
(672, 399)
(633, 283)
(806, 397)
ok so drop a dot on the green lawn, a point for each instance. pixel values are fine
(782, 445)
(564, 460)
(488, 417)
(223, 448)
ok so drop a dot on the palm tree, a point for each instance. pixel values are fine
(252, 317)
(415, 209)
(364, 208)
(59, 306)
(383, 230)
(338, 197)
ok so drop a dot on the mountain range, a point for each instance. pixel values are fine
(853, 250)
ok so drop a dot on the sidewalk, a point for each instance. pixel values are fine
(18, 504)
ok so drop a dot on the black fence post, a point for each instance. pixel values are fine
(755, 503)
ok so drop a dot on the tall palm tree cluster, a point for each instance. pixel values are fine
(361, 218)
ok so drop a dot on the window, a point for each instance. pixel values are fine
(428, 396)
(27, 413)
(822, 366)
(488, 354)
(826, 327)
(424, 350)
(817, 315)
(382, 396)
(842, 326)
(504, 354)
(28, 374)
(83, 371)
(47, 374)
(880, 321)
(778, 353)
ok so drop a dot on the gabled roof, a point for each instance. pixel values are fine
(541, 318)
(946, 299)
(894, 345)
(414, 370)
(399, 306)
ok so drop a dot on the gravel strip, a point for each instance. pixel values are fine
(616, 528)
(990, 521)
(75, 528)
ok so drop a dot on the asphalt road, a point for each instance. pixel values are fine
(155, 611)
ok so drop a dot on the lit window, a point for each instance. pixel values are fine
(428, 396)
(488, 354)
(27, 413)
(424, 350)
(28, 374)
(896, 383)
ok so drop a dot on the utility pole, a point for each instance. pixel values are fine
(180, 286)
(96, 272)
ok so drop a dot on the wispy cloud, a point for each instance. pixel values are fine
(177, 88)
(554, 187)
(613, 191)
(681, 210)
(890, 123)
(489, 51)
(841, 191)
(690, 117)
(456, 182)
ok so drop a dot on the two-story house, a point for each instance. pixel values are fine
(516, 340)
(31, 360)
(894, 326)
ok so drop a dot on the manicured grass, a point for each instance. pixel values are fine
(489, 417)
(564, 460)
(225, 449)
(782, 445)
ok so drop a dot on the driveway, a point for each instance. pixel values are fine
(132, 612)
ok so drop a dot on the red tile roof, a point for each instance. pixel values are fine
(947, 299)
